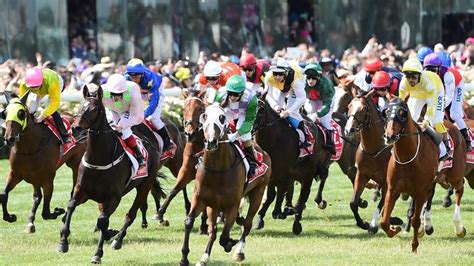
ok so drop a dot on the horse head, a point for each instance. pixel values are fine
(398, 116)
(193, 108)
(92, 110)
(215, 125)
(17, 118)
(358, 112)
(345, 92)
(266, 116)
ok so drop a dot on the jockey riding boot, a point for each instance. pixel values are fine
(330, 142)
(467, 138)
(60, 126)
(306, 142)
(249, 153)
(447, 156)
(166, 138)
(132, 144)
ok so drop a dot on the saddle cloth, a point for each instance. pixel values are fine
(166, 154)
(261, 168)
(52, 126)
(336, 136)
(136, 172)
(448, 163)
(470, 155)
(308, 150)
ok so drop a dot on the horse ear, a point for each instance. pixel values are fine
(85, 91)
(24, 98)
(185, 93)
(100, 93)
(406, 97)
(390, 96)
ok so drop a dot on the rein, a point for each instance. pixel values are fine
(417, 148)
(234, 163)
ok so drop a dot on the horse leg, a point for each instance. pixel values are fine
(391, 197)
(212, 232)
(77, 198)
(447, 202)
(269, 199)
(416, 221)
(281, 189)
(187, 203)
(37, 196)
(48, 193)
(347, 166)
(459, 228)
(289, 209)
(181, 181)
(225, 241)
(410, 212)
(106, 209)
(359, 184)
(322, 204)
(196, 208)
(143, 210)
(428, 226)
(300, 205)
(11, 182)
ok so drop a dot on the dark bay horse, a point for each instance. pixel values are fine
(220, 185)
(413, 167)
(281, 142)
(35, 157)
(106, 178)
(372, 155)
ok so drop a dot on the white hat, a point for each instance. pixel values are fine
(212, 69)
(116, 84)
(279, 65)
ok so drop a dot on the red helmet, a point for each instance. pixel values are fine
(373, 65)
(247, 59)
(381, 80)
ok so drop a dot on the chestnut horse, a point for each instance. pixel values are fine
(35, 157)
(372, 156)
(413, 166)
(276, 137)
(104, 175)
(220, 185)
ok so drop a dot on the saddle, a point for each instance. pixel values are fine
(166, 154)
(261, 168)
(136, 171)
(336, 136)
(49, 122)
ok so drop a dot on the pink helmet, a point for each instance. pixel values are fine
(34, 77)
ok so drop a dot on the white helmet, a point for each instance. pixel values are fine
(116, 84)
(212, 69)
(279, 65)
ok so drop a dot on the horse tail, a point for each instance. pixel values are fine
(157, 184)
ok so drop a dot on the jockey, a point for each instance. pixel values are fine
(454, 88)
(286, 82)
(363, 79)
(123, 99)
(151, 86)
(381, 85)
(254, 69)
(422, 53)
(320, 100)
(425, 87)
(215, 75)
(240, 103)
(44, 82)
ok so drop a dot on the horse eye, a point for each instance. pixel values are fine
(21, 114)
(401, 113)
(222, 119)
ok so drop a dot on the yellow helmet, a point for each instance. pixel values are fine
(412, 65)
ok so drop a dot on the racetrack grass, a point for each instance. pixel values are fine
(329, 236)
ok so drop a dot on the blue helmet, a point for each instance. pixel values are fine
(423, 52)
(135, 66)
(445, 59)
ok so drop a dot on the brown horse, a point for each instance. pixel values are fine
(220, 185)
(345, 92)
(281, 142)
(413, 166)
(372, 156)
(104, 175)
(35, 157)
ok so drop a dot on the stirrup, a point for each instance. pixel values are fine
(445, 157)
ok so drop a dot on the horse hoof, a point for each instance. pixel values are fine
(364, 225)
(116, 244)
(462, 234)
(396, 221)
(429, 230)
(240, 220)
(373, 230)
(297, 228)
(260, 224)
(96, 260)
(144, 225)
(447, 202)
(165, 223)
(204, 259)
(58, 211)
(289, 210)
(275, 215)
(363, 204)
(111, 233)
(156, 217)
(405, 196)
(281, 216)
(30, 229)
(239, 257)
(11, 218)
(322, 205)
(63, 248)
(184, 263)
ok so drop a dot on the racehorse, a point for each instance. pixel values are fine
(413, 167)
(281, 142)
(345, 92)
(35, 157)
(104, 175)
(220, 185)
(372, 156)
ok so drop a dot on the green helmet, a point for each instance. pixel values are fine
(313, 69)
(236, 83)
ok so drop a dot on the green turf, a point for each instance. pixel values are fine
(329, 236)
